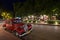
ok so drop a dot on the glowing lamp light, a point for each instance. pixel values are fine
(29, 17)
(27, 21)
(56, 23)
(32, 16)
(36, 22)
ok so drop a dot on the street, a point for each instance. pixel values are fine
(45, 32)
(40, 32)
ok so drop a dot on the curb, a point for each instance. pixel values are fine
(48, 24)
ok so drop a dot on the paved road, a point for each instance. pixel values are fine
(5, 35)
(45, 32)
(40, 32)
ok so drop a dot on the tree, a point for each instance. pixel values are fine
(35, 7)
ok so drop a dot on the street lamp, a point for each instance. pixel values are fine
(29, 17)
(32, 16)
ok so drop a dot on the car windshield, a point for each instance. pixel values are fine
(17, 21)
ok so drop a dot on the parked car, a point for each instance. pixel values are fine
(18, 27)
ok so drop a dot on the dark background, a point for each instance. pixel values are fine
(8, 4)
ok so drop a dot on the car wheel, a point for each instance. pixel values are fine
(15, 33)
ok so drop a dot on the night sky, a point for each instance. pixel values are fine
(8, 4)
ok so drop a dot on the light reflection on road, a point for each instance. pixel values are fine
(45, 32)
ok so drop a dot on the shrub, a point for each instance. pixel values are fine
(34, 21)
(51, 22)
(58, 21)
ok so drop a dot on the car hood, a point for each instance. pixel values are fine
(19, 24)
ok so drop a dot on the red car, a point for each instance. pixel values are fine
(20, 28)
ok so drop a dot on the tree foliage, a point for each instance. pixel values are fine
(36, 7)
